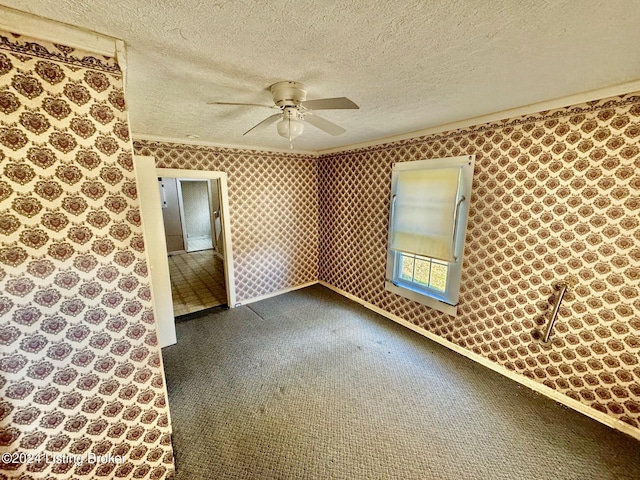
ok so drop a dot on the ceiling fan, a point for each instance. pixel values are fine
(291, 99)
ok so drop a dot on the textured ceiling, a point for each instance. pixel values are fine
(410, 65)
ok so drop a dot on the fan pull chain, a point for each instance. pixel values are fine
(290, 139)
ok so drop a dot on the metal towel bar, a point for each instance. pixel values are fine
(554, 313)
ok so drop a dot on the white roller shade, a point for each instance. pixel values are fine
(423, 212)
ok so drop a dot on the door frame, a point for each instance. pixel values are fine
(156, 251)
(225, 219)
(212, 218)
(214, 215)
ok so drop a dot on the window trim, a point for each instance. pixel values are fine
(432, 298)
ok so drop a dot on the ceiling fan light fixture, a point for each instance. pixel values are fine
(295, 110)
(291, 126)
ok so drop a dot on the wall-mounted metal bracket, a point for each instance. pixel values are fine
(562, 289)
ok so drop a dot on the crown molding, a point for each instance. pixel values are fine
(23, 23)
(598, 94)
(591, 95)
(203, 143)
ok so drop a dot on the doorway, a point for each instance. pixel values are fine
(187, 273)
(191, 217)
(195, 201)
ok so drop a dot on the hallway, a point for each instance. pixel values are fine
(197, 281)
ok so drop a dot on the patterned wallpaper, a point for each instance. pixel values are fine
(273, 203)
(80, 368)
(556, 197)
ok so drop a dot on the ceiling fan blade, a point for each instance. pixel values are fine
(324, 125)
(267, 121)
(242, 104)
(330, 104)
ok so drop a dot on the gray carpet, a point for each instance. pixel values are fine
(312, 385)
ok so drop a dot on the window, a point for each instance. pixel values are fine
(427, 227)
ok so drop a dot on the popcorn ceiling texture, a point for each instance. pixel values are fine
(556, 197)
(409, 65)
(80, 368)
(273, 204)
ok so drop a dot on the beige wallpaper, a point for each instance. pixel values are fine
(80, 368)
(273, 203)
(556, 197)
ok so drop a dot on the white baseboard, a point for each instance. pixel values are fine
(275, 294)
(521, 379)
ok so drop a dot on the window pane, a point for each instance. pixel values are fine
(414, 270)
(422, 272)
(439, 276)
(406, 271)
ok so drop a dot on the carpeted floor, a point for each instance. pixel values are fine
(311, 385)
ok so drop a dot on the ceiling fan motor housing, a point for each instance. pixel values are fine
(288, 94)
(291, 113)
(291, 99)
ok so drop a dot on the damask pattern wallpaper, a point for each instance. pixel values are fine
(556, 198)
(80, 367)
(273, 203)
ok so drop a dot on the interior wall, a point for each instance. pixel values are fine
(197, 214)
(80, 368)
(171, 215)
(556, 197)
(273, 203)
